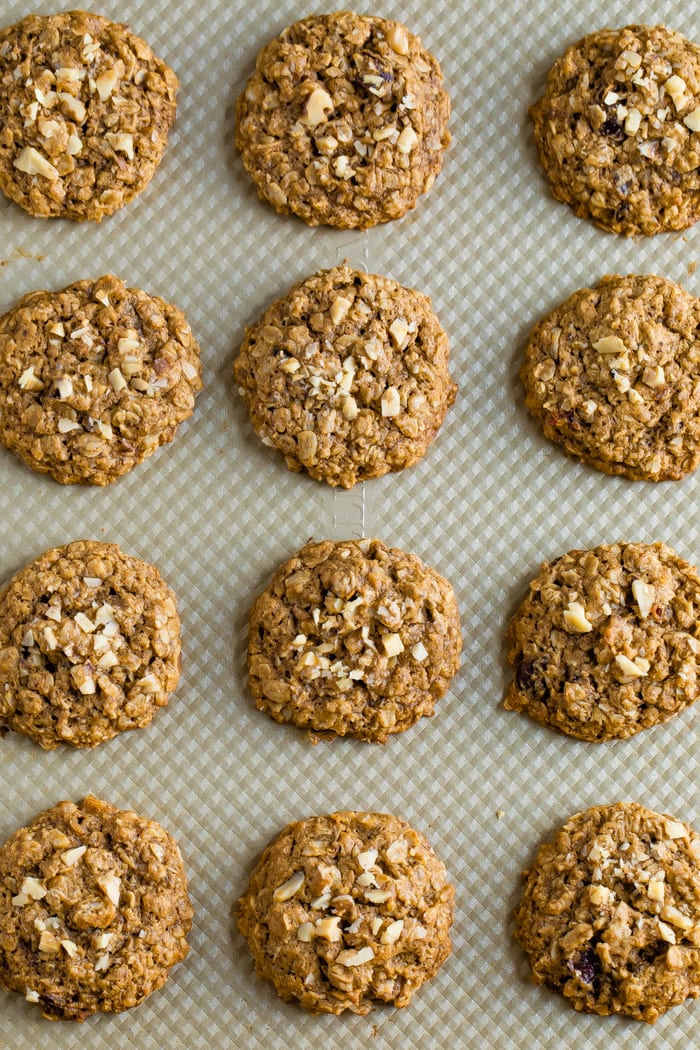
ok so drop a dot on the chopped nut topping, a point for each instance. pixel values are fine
(633, 121)
(575, 618)
(398, 330)
(692, 121)
(328, 928)
(392, 644)
(110, 885)
(305, 932)
(102, 963)
(121, 142)
(318, 104)
(30, 161)
(378, 896)
(656, 889)
(610, 344)
(31, 889)
(397, 39)
(419, 652)
(407, 140)
(48, 943)
(29, 381)
(355, 957)
(70, 948)
(654, 377)
(644, 595)
(84, 623)
(117, 381)
(106, 82)
(289, 888)
(600, 895)
(342, 168)
(66, 425)
(675, 830)
(367, 859)
(72, 856)
(631, 59)
(676, 917)
(102, 940)
(339, 309)
(666, 933)
(31, 996)
(675, 86)
(64, 387)
(632, 668)
(74, 106)
(390, 402)
(392, 932)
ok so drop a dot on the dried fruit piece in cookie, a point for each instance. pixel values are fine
(607, 641)
(94, 909)
(347, 376)
(353, 638)
(347, 910)
(610, 914)
(85, 110)
(89, 645)
(94, 378)
(618, 129)
(344, 121)
(613, 376)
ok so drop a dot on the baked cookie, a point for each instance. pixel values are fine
(344, 121)
(353, 638)
(607, 641)
(617, 129)
(85, 110)
(610, 915)
(613, 376)
(93, 379)
(346, 910)
(347, 376)
(89, 645)
(94, 909)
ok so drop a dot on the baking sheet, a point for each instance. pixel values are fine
(216, 511)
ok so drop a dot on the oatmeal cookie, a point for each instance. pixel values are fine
(346, 910)
(613, 376)
(94, 909)
(344, 121)
(347, 376)
(617, 129)
(610, 915)
(607, 641)
(89, 645)
(353, 638)
(93, 379)
(85, 110)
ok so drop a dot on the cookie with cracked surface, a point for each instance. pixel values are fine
(93, 379)
(347, 910)
(353, 638)
(610, 914)
(89, 645)
(617, 129)
(607, 641)
(344, 121)
(347, 376)
(85, 110)
(94, 909)
(613, 376)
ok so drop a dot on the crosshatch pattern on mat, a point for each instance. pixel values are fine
(217, 512)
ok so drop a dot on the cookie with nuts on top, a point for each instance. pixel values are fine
(94, 378)
(85, 110)
(613, 376)
(348, 910)
(94, 909)
(607, 642)
(89, 645)
(347, 376)
(344, 121)
(610, 913)
(618, 129)
(353, 638)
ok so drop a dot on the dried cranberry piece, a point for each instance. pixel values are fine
(585, 966)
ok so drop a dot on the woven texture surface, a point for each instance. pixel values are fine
(217, 512)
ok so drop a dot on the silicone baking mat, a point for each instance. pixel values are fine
(216, 511)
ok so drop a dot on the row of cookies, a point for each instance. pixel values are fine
(344, 121)
(345, 910)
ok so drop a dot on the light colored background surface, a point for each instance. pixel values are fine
(217, 512)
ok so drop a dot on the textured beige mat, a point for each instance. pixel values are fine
(217, 512)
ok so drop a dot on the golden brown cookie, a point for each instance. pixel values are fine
(607, 641)
(94, 378)
(94, 909)
(347, 376)
(613, 376)
(85, 110)
(344, 121)
(353, 638)
(618, 129)
(347, 910)
(89, 645)
(610, 914)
